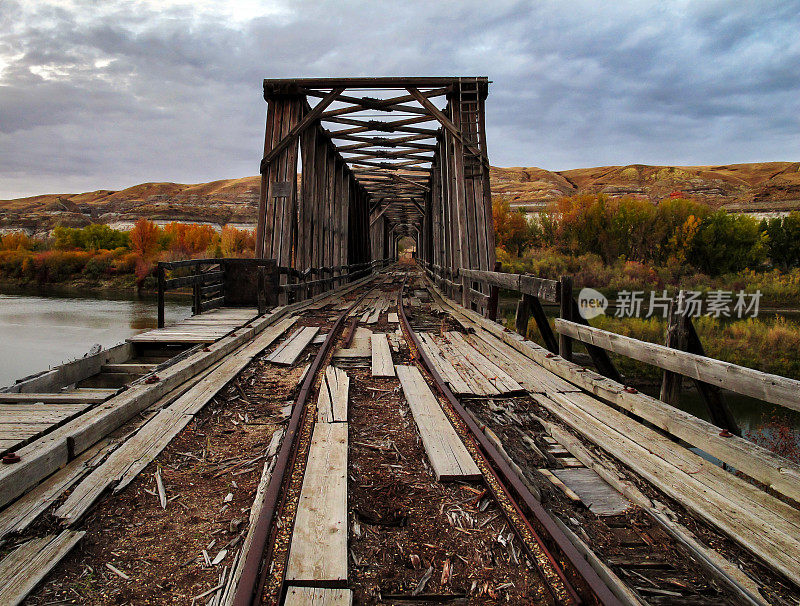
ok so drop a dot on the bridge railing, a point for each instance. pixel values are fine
(250, 282)
(682, 356)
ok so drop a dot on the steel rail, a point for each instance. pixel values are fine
(508, 478)
(253, 576)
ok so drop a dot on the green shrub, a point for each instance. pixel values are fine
(727, 243)
(783, 240)
(96, 236)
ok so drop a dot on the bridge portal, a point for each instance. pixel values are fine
(380, 159)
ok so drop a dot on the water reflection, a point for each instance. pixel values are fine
(39, 330)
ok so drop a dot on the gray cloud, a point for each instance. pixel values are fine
(112, 94)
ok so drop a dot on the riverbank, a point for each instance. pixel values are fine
(124, 286)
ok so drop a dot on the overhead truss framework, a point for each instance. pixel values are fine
(382, 158)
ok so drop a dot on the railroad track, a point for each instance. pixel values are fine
(263, 578)
(645, 565)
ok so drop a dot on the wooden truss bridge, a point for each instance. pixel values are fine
(382, 158)
(332, 426)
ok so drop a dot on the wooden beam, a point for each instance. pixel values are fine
(746, 381)
(309, 119)
(386, 141)
(369, 82)
(382, 365)
(449, 457)
(379, 124)
(445, 121)
(322, 512)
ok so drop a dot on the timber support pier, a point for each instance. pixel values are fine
(335, 426)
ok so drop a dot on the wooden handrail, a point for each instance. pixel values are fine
(739, 379)
(540, 288)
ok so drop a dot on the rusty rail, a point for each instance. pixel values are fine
(508, 478)
(254, 574)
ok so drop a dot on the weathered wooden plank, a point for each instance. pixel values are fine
(287, 353)
(38, 412)
(746, 381)
(598, 496)
(525, 371)
(478, 384)
(530, 285)
(158, 338)
(318, 596)
(392, 317)
(76, 396)
(495, 375)
(689, 479)
(322, 512)
(447, 454)
(382, 365)
(333, 395)
(443, 365)
(28, 564)
(128, 367)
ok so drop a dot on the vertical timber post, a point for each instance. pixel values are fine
(494, 296)
(565, 292)
(677, 337)
(161, 287)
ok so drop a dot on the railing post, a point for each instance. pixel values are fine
(161, 287)
(494, 296)
(261, 294)
(677, 337)
(682, 335)
(196, 292)
(565, 295)
(523, 316)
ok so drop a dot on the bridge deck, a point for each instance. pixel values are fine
(623, 491)
(203, 328)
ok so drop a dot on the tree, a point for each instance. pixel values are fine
(727, 243)
(513, 231)
(144, 238)
(783, 240)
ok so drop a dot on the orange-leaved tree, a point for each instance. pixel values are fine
(144, 238)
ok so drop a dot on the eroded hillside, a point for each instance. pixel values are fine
(758, 187)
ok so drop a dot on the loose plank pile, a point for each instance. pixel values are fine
(466, 370)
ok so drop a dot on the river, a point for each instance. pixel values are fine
(40, 329)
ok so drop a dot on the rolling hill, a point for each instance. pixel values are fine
(758, 187)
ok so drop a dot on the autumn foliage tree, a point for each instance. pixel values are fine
(144, 238)
(513, 231)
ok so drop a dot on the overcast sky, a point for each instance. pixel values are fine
(107, 94)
